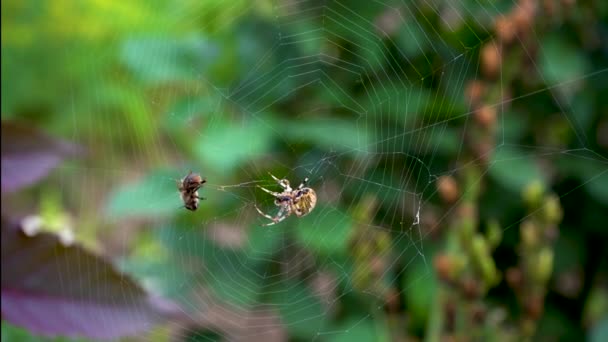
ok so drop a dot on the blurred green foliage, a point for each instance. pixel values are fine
(369, 100)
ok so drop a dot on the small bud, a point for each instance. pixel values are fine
(467, 210)
(523, 15)
(533, 194)
(377, 266)
(466, 229)
(534, 307)
(491, 59)
(505, 29)
(360, 278)
(392, 300)
(552, 210)
(475, 91)
(529, 234)
(448, 189)
(494, 234)
(443, 266)
(514, 278)
(549, 7)
(479, 247)
(483, 150)
(363, 251)
(471, 288)
(545, 265)
(486, 116)
(483, 260)
(459, 261)
(383, 242)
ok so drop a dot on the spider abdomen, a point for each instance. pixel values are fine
(305, 203)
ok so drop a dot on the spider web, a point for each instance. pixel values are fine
(372, 157)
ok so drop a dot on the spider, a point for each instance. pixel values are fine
(188, 189)
(299, 201)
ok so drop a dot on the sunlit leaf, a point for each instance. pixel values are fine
(155, 195)
(156, 59)
(325, 231)
(332, 134)
(225, 146)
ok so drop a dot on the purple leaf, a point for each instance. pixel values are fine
(53, 290)
(29, 155)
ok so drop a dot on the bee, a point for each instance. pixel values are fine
(299, 201)
(188, 189)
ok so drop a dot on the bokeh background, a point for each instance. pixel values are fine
(458, 150)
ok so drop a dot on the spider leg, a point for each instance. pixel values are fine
(275, 221)
(280, 217)
(303, 184)
(263, 214)
(275, 194)
(284, 183)
(275, 178)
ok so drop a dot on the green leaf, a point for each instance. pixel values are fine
(156, 59)
(592, 174)
(411, 39)
(301, 311)
(513, 126)
(154, 196)
(330, 134)
(239, 278)
(600, 331)
(13, 333)
(562, 64)
(263, 242)
(420, 288)
(356, 330)
(239, 282)
(226, 145)
(402, 104)
(325, 231)
(185, 110)
(444, 140)
(598, 187)
(233, 274)
(514, 170)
